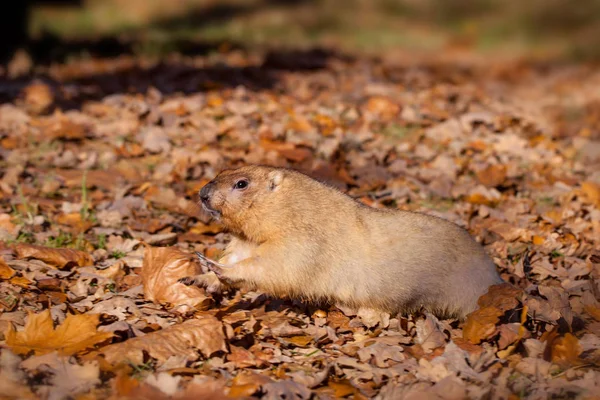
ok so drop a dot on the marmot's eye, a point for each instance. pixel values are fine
(241, 184)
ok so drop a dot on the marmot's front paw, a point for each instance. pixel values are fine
(209, 281)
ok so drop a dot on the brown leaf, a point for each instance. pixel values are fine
(204, 334)
(243, 358)
(503, 297)
(59, 258)
(75, 334)
(510, 333)
(429, 333)
(65, 129)
(162, 268)
(492, 176)
(481, 324)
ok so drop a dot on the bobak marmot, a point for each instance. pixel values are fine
(294, 236)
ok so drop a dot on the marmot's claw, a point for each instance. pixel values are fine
(187, 280)
(217, 270)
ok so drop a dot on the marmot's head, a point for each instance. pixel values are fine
(236, 196)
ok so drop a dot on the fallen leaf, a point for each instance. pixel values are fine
(69, 379)
(77, 333)
(285, 390)
(185, 339)
(565, 351)
(504, 297)
(592, 192)
(492, 176)
(59, 258)
(162, 268)
(430, 333)
(6, 272)
(74, 220)
(38, 97)
(246, 383)
(65, 129)
(341, 388)
(481, 324)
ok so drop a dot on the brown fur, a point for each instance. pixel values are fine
(294, 236)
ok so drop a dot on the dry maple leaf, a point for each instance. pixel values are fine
(75, 334)
(59, 258)
(162, 268)
(204, 334)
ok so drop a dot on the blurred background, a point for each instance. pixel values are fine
(57, 30)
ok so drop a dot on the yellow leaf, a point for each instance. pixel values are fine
(6, 272)
(75, 334)
(21, 281)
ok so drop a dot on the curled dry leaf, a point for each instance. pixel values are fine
(75, 334)
(162, 268)
(59, 258)
(204, 334)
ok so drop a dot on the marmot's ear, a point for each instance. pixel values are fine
(275, 179)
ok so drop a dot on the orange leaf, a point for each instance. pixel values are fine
(60, 258)
(566, 350)
(481, 324)
(245, 384)
(592, 192)
(342, 388)
(20, 281)
(537, 240)
(75, 334)
(593, 311)
(6, 272)
(74, 220)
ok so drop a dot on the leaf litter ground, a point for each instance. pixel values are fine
(102, 161)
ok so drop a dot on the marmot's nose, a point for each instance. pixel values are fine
(206, 191)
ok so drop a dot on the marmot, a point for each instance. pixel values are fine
(295, 236)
